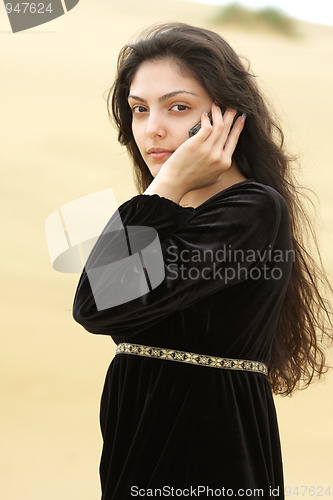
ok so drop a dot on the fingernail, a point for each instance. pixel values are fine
(243, 117)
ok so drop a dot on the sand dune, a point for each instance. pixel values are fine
(58, 145)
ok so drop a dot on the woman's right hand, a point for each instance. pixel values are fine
(201, 160)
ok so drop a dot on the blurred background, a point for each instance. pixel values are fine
(57, 145)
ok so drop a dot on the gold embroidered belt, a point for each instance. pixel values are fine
(192, 358)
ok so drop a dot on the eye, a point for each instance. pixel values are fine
(181, 107)
(138, 109)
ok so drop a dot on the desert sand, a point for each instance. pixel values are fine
(58, 145)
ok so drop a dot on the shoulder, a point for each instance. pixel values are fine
(248, 194)
(269, 202)
(265, 197)
(248, 205)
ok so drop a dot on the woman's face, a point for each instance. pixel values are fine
(165, 105)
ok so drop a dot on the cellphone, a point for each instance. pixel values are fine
(195, 129)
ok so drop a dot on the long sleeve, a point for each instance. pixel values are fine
(224, 241)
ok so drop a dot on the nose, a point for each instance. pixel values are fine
(155, 126)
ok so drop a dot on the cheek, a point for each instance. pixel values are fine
(181, 135)
(137, 136)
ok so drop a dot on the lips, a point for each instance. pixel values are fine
(159, 153)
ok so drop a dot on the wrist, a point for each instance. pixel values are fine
(167, 188)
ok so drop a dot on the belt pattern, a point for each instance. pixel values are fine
(192, 358)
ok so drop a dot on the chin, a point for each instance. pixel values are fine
(154, 170)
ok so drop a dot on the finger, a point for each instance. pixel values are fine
(218, 123)
(206, 127)
(232, 140)
(221, 124)
(214, 138)
(228, 119)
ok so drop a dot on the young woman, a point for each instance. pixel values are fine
(187, 402)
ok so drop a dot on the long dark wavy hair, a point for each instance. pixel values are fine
(305, 320)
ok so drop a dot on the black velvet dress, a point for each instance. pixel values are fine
(168, 424)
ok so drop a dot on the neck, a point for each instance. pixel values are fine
(198, 196)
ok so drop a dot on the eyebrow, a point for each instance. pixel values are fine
(163, 97)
